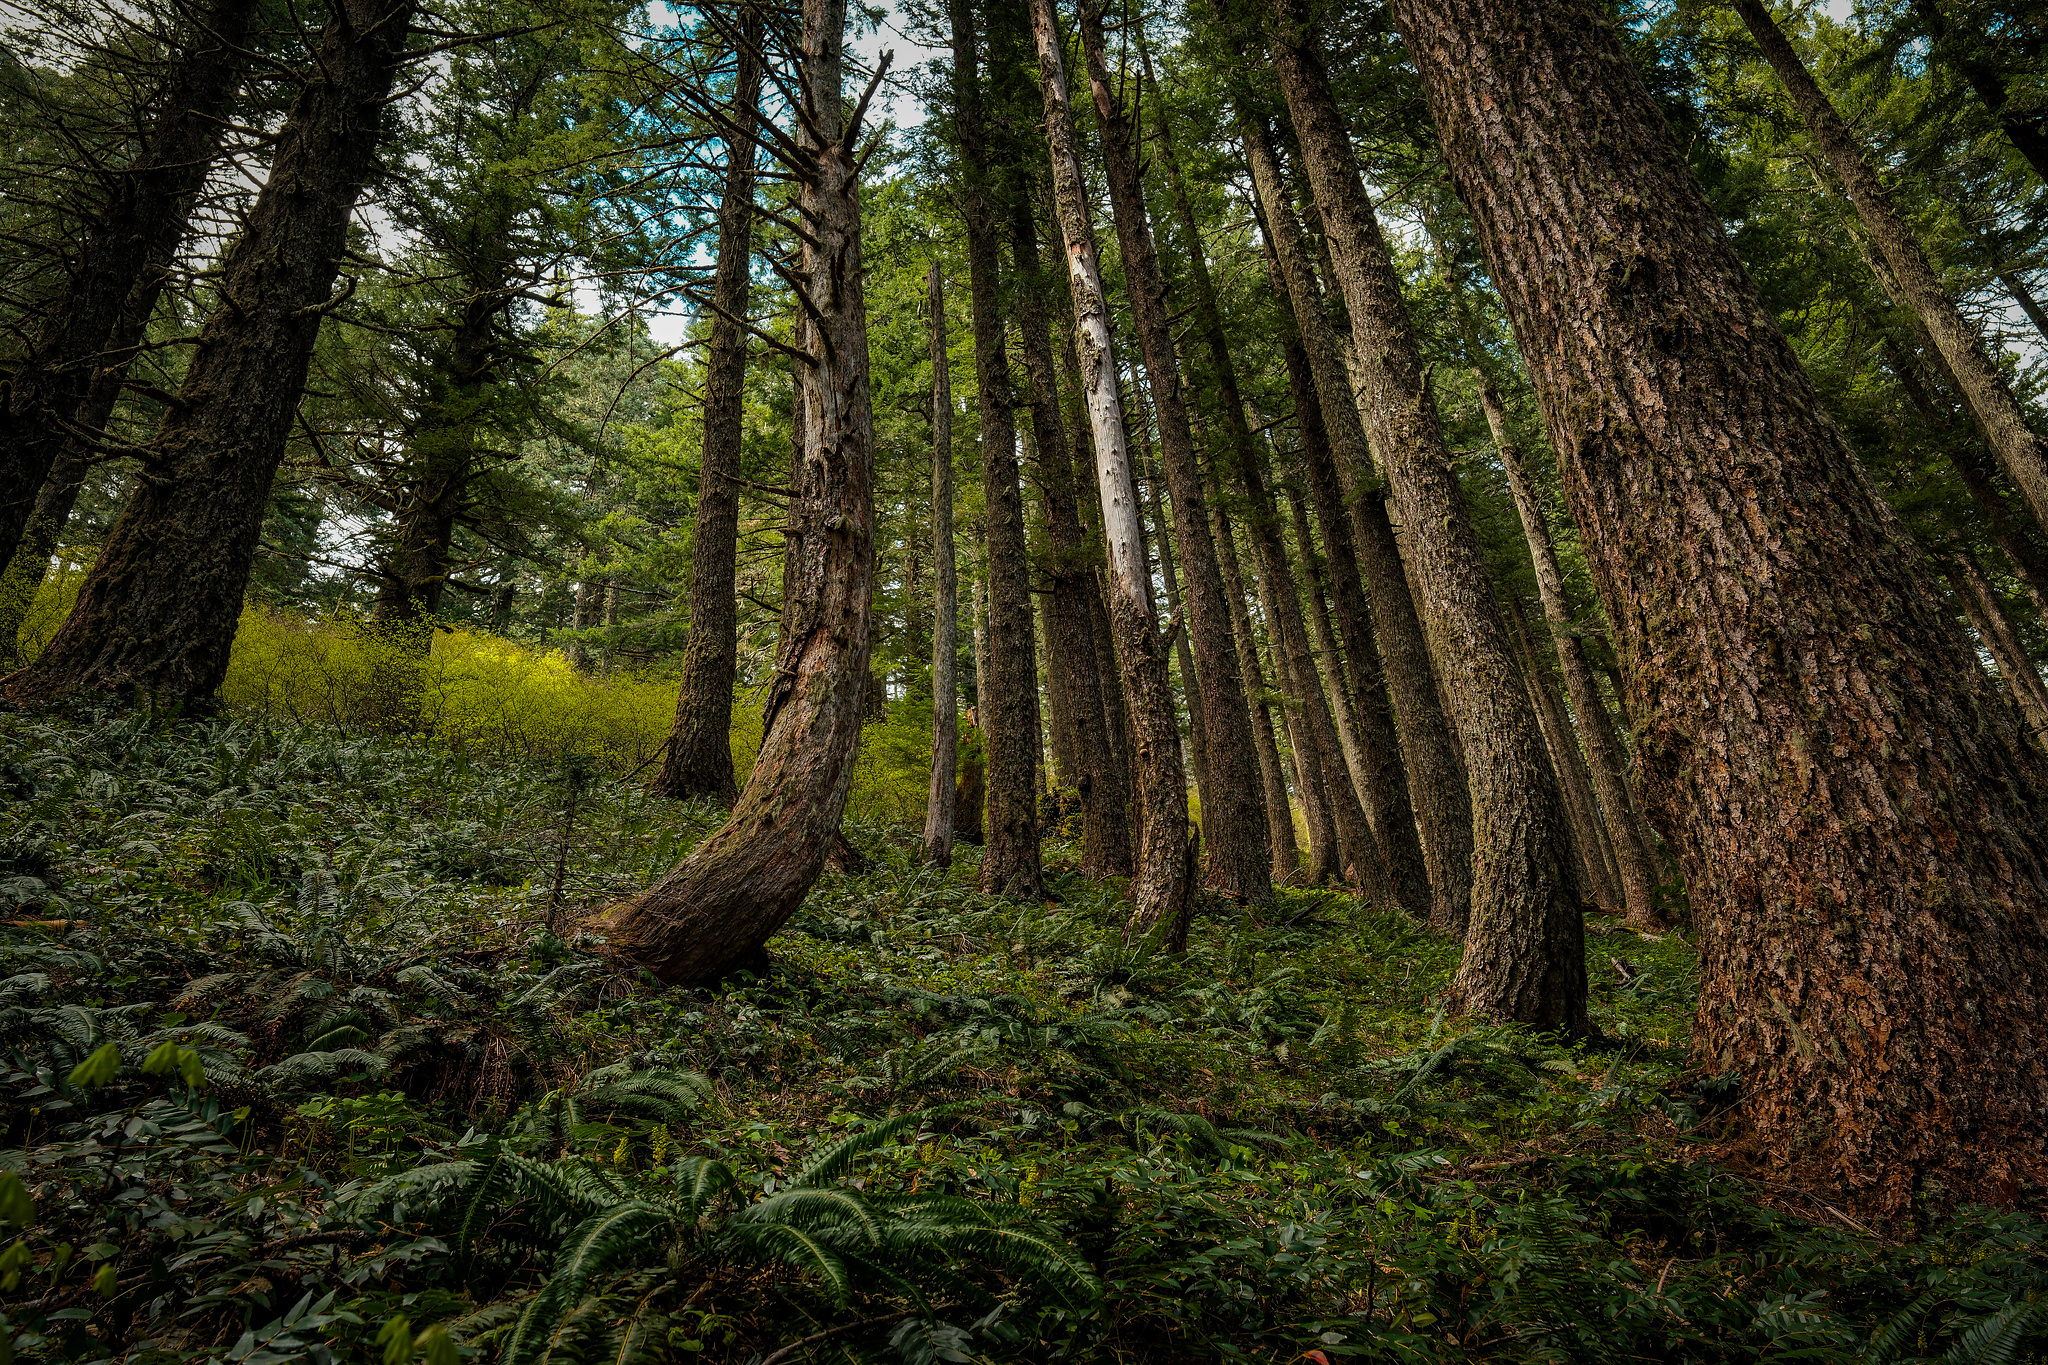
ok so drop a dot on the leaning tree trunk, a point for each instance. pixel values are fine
(1866, 851)
(1352, 510)
(1233, 818)
(1105, 781)
(1596, 860)
(1631, 843)
(120, 267)
(2026, 125)
(699, 759)
(1316, 775)
(2020, 449)
(158, 612)
(728, 897)
(2017, 669)
(1279, 812)
(1524, 947)
(1162, 887)
(938, 819)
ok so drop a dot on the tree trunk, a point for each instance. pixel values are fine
(119, 268)
(728, 897)
(1863, 847)
(1190, 683)
(23, 581)
(1007, 691)
(1279, 812)
(699, 760)
(1162, 886)
(1319, 771)
(1632, 845)
(1524, 947)
(1596, 859)
(1232, 814)
(1351, 507)
(2020, 449)
(158, 612)
(2015, 667)
(1104, 782)
(2027, 128)
(938, 819)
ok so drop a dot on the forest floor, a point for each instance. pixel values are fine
(305, 1060)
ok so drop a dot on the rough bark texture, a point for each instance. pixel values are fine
(1007, 689)
(1319, 768)
(1190, 682)
(1104, 781)
(1596, 860)
(1233, 817)
(728, 897)
(1863, 845)
(938, 819)
(1351, 506)
(1162, 887)
(1524, 950)
(2015, 667)
(158, 612)
(2027, 128)
(1630, 842)
(699, 760)
(1279, 812)
(2021, 451)
(119, 267)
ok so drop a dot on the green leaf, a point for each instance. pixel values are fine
(96, 1070)
(396, 1339)
(15, 1205)
(436, 1347)
(106, 1281)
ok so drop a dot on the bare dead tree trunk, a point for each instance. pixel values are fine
(1866, 851)
(2020, 449)
(1162, 887)
(1232, 814)
(735, 889)
(699, 759)
(938, 819)
(1524, 948)
(158, 612)
(1596, 860)
(1351, 507)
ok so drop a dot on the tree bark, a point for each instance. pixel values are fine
(938, 819)
(119, 269)
(1190, 682)
(1007, 690)
(2020, 449)
(1319, 770)
(1862, 842)
(1105, 792)
(1596, 860)
(158, 612)
(1524, 946)
(2015, 666)
(1162, 886)
(2027, 128)
(725, 900)
(1279, 812)
(699, 760)
(1232, 814)
(1351, 507)
(1635, 863)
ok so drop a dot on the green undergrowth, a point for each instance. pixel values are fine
(307, 1057)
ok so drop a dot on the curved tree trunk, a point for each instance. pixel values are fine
(1866, 851)
(1524, 946)
(1162, 887)
(119, 268)
(158, 612)
(1351, 507)
(2021, 451)
(1232, 815)
(699, 759)
(736, 888)
(938, 818)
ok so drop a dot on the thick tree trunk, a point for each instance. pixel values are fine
(1104, 781)
(1279, 812)
(1863, 845)
(1596, 860)
(728, 897)
(158, 612)
(1631, 843)
(2026, 127)
(23, 581)
(1232, 814)
(1524, 946)
(2021, 451)
(938, 819)
(1006, 690)
(1162, 886)
(699, 760)
(119, 267)
(2015, 666)
(1351, 506)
